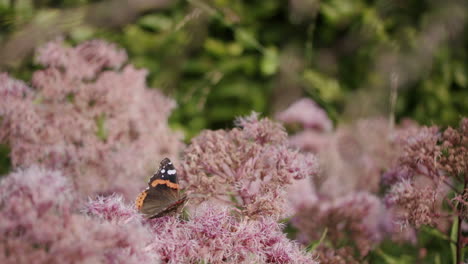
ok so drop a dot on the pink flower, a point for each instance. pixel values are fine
(354, 156)
(39, 223)
(86, 116)
(307, 113)
(415, 203)
(112, 208)
(214, 236)
(88, 59)
(310, 141)
(211, 235)
(426, 170)
(342, 197)
(358, 217)
(342, 255)
(248, 167)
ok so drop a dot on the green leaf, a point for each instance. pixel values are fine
(235, 49)
(338, 11)
(269, 63)
(215, 47)
(247, 38)
(82, 33)
(404, 259)
(101, 129)
(437, 259)
(313, 245)
(156, 22)
(5, 161)
(453, 236)
(328, 88)
(388, 259)
(435, 232)
(38, 100)
(460, 74)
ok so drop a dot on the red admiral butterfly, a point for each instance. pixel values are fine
(162, 196)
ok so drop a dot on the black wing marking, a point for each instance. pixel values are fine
(166, 171)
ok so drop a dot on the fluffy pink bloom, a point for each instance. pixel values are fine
(214, 236)
(301, 193)
(430, 164)
(342, 197)
(88, 59)
(343, 255)
(307, 113)
(419, 148)
(88, 117)
(358, 217)
(112, 208)
(310, 141)
(354, 157)
(39, 223)
(249, 167)
(462, 200)
(210, 235)
(454, 159)
(416, 204)
(14, 89)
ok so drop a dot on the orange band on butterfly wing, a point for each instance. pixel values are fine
(166, 182)
(140, 199)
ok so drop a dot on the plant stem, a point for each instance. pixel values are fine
(393, 97)
(460, 220)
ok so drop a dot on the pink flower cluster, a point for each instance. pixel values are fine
(359, 216)
(88, 115)
(89, 125)
(247, 167)
(211, 235)
(342, 198)
(430, 166)
(308, 114)
(40, 223)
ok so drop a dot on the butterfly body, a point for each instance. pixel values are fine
(162, 196)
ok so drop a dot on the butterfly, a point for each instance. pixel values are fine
(162, 196)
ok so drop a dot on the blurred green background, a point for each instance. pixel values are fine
(223, 58)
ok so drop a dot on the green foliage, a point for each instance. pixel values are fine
(5, 162)
(431, 248)
(453, 237)
(312, 246)
(101, 131)
(222, 58)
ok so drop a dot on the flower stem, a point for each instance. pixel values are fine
(460, 220)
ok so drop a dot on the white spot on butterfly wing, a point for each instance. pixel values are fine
(171, 172)
(163, 171)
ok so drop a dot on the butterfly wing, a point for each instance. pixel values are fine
(174, 207)
(162, 195)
